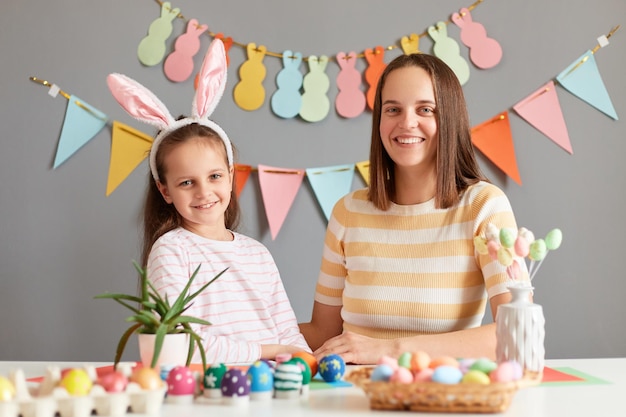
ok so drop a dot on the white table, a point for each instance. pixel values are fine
(571, 400)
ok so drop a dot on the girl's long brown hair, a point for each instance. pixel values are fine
(159, 217)
(457, 167)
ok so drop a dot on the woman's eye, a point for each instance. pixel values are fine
(216, 176)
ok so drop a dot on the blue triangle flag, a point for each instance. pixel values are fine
(582, 78)
(82, 122)
(330, 184)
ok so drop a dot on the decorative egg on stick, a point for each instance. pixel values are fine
(510, 247)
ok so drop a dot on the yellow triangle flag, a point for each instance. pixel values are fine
(364, 169)
(129, 147)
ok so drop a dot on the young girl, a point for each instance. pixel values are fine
(190, 215)
(399, 270)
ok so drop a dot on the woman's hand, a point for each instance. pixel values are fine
(355, 348)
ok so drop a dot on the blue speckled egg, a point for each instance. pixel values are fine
(261, 377)
(382, 372)
(446, 374)
(332, 367)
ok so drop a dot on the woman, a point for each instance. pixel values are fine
(399, 270)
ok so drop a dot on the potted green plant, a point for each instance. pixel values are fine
(153, 314)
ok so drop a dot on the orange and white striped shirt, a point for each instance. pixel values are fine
(412, 269)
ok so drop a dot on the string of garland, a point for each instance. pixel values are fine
(242, 45)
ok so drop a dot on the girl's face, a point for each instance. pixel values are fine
(198, 181)
(408, 126)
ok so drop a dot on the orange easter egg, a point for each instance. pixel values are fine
(419, 360)
(147, 378)
(443, 361)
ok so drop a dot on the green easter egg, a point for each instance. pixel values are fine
(405, 360)
(553, 239)
(538, 250)
(507, 237)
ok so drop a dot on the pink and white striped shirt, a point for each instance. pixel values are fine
(247, 305)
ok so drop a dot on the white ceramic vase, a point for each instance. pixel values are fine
(520, 330)
(173, 353)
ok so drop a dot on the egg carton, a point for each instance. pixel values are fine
(48, 399)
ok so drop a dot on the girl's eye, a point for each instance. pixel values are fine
(391, 110)
(185, 183)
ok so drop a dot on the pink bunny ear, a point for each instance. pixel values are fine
(211, 80)
(138, 101)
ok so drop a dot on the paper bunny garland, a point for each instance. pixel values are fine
(144, 106)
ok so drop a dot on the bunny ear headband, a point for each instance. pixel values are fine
(144, 106)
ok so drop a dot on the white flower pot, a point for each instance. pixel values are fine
(173, 353)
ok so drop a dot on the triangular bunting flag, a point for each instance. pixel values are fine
(493, 138)
(128, 148)
(543, 110)
(330, 184)
(242, 172)
(279, 187)
(82, 122)
(583, 79)
(364, 169)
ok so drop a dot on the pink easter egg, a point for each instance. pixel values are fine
(425, 375)
(493, 247)
(522, 247)
(388, 360)
(513, 270)
(114, 381)
(402, 375)
(181, 381)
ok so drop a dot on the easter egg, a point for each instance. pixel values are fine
(553, 239)
(474, 376)
(492, 248)
(425, 375)
(304, 367)
(404, 360)
(483, 365)
(419, 360)
(114, 381)
(235, 385)
(76, 382)
(213, 376)
(147, 378)
(507, 237)
(480, 243)
(504, 256)
(287, 380)
(261, 378)
(526, 234)
(402, 375)
(492, 233)
(443, 360)
(310, 360)
(332, 367)
(381, 372)
(388, 360)
(446, 374)
(7, 390)
(538, 250)
(521, 246)
(180, 381)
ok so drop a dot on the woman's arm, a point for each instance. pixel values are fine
(354, 348)
(325, 323)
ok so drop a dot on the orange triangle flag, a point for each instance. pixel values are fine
(543, 110)
(279, 187)
(242, 172)
(364, 169)
(129, 147)
(493, 138)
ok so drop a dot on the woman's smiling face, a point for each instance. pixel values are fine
(408, 124)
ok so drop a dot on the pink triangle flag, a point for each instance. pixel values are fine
(582, 78)
(82, 122)
(279, 187)
(330, 184)
(543, 110)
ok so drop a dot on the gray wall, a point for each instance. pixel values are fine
(62, 241)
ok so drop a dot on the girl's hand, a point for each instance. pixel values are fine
(356, 349)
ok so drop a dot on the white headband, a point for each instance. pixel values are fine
(144, 106)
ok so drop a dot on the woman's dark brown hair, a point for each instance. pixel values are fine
(457, 167)
(159, 217)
